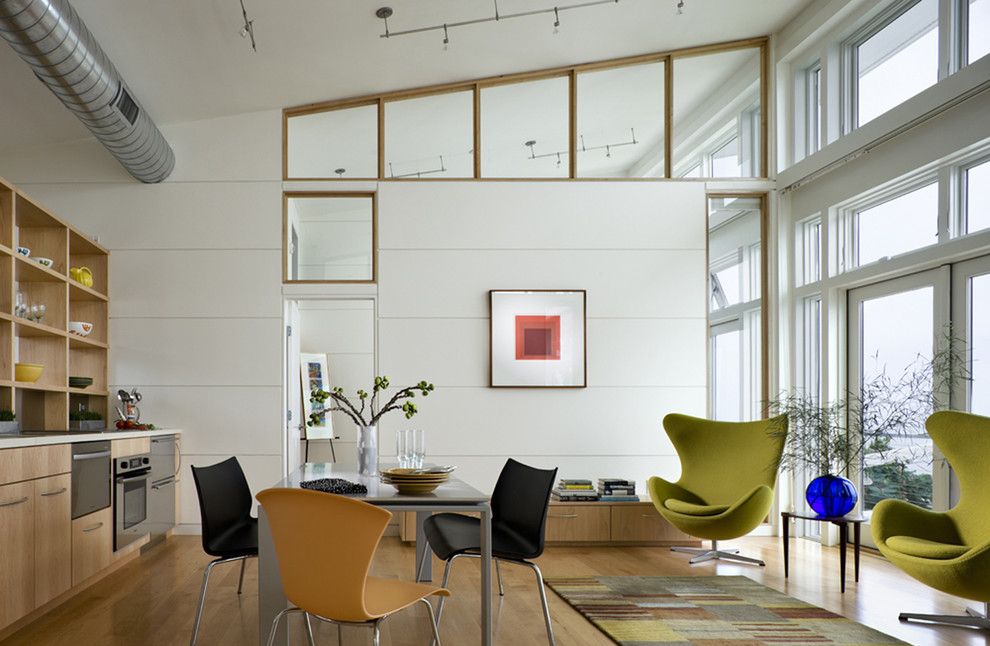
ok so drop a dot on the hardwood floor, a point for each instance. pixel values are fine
(152, 601)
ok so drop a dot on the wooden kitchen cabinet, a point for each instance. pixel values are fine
(53, 537)
(45, 404)
(16, 551)
(92, 544)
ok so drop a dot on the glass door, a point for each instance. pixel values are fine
(893, 330)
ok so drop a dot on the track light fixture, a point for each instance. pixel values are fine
(386, 12)
(248, 28)
(680, 7)
(582, 148)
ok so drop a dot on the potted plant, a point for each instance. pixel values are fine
(8, 422)
(86, 420)
(831, 439)
(366, 416)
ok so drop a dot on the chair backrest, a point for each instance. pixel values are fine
(964, 439)
(224, 500)
(721, 460)
(324, 544)
(520, 501)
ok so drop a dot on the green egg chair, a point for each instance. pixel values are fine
(949, 551)
(728, 474)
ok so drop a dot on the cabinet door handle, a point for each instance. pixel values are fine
(94, 527)
(651, 515)
(55, 493)
(14, 502)
(563, 515)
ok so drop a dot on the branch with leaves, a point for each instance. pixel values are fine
(340, 402)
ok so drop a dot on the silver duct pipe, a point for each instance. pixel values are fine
(51, 37)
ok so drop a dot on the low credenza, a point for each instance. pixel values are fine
(622, 523)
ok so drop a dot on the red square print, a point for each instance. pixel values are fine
(538, 338)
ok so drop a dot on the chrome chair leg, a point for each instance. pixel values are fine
(498, 571)
(206, 581)
(715, 554)
(240, 582)
(309, 629)
(433, 622)
(278, 617)
(543, 598)
(973, 618)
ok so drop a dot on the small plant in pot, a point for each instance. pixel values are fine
(86, 420)
(8, 421)
(831, 439)
(366, 421)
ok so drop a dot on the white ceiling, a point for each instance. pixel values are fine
(185, 60)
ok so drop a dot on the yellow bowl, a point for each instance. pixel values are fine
(27, 371)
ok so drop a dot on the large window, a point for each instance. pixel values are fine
(898, 225)
(895, 61)
(597, 120)
(736, 275)
(976, 197)
(329, 238)
(978, 29)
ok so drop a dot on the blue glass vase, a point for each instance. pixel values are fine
(831, 495)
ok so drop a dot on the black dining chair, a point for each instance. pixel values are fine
(519, 517)
(230, 533)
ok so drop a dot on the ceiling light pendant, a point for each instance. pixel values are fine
(340, 171)
(248, 28)
(386, 12)
(680, 7)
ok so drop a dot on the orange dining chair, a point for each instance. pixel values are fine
(325, 544)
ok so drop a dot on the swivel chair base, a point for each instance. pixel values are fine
(973, 618)
(715, 554)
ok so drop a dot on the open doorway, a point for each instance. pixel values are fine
(341, 330)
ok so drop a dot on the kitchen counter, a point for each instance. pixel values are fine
(15, 440)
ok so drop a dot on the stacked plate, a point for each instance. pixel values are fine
(415, 481)
(80, 382)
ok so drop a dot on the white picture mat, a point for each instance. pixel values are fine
(568, 371)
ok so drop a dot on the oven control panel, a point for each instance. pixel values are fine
(132, 463)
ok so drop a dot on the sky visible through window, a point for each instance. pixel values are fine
(978, 197)
(902, 224)
(979, 29)
(898, 61)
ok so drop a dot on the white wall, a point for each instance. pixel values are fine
(196, 303)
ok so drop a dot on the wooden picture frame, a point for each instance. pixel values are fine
(537, 338)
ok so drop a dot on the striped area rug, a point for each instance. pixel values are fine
(705, 611)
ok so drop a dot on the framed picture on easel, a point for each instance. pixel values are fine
(315, 373)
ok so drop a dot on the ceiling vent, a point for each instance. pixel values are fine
(52, 39)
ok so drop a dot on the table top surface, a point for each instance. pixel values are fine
(848, 518)
(454, 492)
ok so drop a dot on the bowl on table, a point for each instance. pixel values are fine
(80, 328)
(414, 481)
(29, 372)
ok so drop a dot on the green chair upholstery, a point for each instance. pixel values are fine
(949, 551)
(728, 474)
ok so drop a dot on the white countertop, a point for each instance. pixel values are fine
(13, 441)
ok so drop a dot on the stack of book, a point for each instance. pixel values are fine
(617, 489)
(575, 490)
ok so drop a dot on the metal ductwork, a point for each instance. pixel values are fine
(51, 37)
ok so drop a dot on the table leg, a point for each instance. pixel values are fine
(856, 527)
(271, 597)
(786, 522)
(843, 541)
(486, 576)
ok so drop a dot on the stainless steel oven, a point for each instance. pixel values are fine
(132, 482)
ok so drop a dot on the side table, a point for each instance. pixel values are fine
(842, 522)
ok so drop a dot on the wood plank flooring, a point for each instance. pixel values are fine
(152, 601)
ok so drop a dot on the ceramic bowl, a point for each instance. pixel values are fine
(28, 371)
(24, 251)
(80, 328)
(47, 262)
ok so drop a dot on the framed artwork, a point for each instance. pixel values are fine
(537, 338)
(315, 373)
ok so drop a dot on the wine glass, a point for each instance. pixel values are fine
(39, 311)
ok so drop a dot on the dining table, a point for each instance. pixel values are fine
(452, 496)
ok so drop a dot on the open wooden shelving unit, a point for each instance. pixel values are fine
(45, 404)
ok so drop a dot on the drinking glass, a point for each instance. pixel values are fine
(417, 441)
(403, 449)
